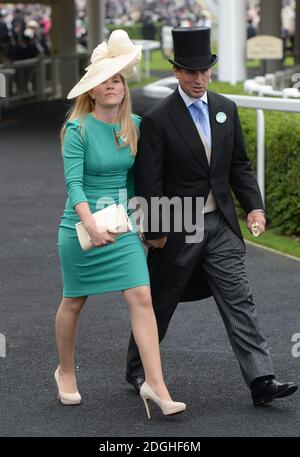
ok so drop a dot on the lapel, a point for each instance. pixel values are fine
(217, 129)
(185, 125)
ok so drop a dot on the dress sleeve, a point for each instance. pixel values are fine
(73, 157)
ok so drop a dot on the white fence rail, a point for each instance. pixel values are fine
(37, 78)
(161, 89)
(41, 78)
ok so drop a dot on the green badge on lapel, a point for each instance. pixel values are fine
(221, 117)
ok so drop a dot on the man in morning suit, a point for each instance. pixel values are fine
(191, 145)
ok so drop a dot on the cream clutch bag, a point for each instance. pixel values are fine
(112, 217)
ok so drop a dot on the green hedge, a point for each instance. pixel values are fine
(283, 171)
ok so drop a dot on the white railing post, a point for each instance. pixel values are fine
(2, 85)
(260, 153)
(2, 91)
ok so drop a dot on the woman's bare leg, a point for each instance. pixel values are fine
(144, 328)
(66, 326)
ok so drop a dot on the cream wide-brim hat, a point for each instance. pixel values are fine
(118, 55)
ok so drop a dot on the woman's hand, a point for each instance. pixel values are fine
(100, 236)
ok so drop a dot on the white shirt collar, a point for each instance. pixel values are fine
(190, 100)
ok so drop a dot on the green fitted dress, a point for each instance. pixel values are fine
(99, 172)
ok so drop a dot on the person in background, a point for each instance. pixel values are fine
(251, 31)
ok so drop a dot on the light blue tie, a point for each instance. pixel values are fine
(200, 115)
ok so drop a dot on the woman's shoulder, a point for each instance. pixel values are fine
(73, 123)
(136, 119)
(76, 126)
(75, 129)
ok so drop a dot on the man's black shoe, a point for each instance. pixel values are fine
(264, 391)
(135, 381)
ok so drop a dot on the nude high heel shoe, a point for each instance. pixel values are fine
(64, 397)
(168, 407)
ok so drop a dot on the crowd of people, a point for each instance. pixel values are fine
(178, 12)
(170, 14)
(24, 32)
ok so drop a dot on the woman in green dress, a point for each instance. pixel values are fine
(99, 146)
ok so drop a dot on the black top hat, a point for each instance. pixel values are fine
(192, 48)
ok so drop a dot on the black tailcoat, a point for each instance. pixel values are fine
(171, 161)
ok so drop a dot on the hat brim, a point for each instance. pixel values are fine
(108, 68)
(198, 66)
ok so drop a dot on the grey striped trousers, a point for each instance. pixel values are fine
(222, 257)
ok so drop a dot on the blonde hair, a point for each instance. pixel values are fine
(84, 104)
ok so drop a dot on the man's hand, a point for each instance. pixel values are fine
(259, 217)
(159, 243)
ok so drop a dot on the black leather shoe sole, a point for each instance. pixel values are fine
(284, 393)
